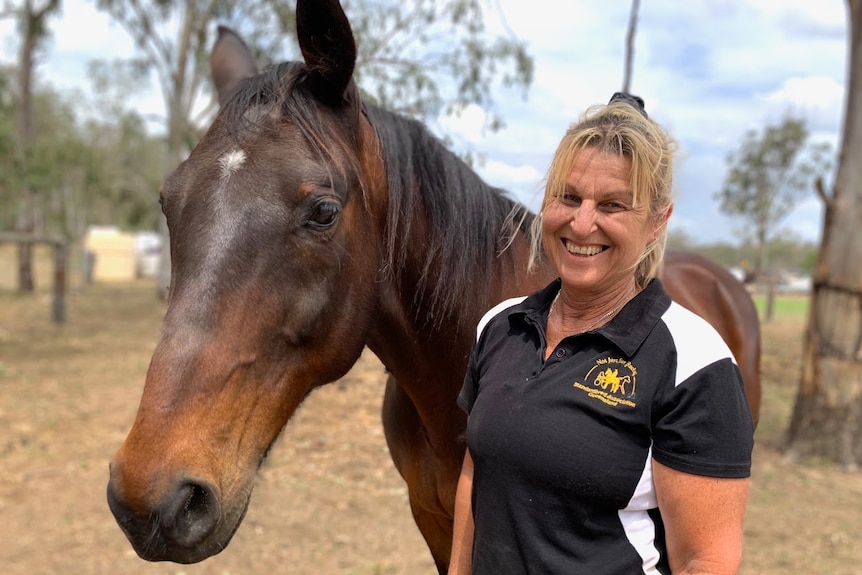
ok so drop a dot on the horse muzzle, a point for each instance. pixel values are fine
(184, 525)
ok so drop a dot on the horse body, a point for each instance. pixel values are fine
(305, 226)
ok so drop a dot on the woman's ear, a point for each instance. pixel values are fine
(661, 223)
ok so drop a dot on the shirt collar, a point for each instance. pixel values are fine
(627, 329)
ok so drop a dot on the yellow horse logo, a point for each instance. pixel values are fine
(611, 377)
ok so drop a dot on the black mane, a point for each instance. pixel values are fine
(469, 222)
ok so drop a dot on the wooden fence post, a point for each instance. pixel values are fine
(58, 307)
(58, 303)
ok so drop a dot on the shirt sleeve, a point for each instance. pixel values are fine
(704, 426)
(469, 390)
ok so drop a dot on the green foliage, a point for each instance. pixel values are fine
(31, 16)
(424, 57)
(767, 176)
(8, 167)
(173, 41)
(786, 252)
(420, 57)
(78, 173)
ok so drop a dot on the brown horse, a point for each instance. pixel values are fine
(305, 226)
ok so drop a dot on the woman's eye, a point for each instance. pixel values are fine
(324, 215)
(614, 207)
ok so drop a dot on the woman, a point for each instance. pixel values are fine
(608, 428)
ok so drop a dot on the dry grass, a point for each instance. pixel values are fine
(328, 500)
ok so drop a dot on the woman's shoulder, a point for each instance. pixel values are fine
(696, 341)
(496, 311)
(682, 321)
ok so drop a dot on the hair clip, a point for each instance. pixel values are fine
(634, 101)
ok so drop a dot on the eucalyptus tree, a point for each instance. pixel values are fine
(8, 168)
(768, 175)
(827, 417)
(131, 161)
(32, 21)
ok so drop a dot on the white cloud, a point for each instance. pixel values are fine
(467, 124)
(816, 97)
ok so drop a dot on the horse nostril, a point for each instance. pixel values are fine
(124, 515)
(190, 514)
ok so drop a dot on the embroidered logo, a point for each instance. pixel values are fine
(612, 381)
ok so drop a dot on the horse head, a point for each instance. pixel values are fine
(273, 223)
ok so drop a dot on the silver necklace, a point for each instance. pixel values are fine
(603, 317)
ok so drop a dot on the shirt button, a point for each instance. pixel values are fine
(561, 353)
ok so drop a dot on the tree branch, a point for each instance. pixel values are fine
(824, 197)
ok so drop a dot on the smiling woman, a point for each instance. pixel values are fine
(605, 421)
(597, 194)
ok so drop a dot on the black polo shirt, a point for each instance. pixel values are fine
(562, 448)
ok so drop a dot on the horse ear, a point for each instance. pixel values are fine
(231, 62)
(328, 47)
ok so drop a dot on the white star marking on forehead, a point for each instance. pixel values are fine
(231, 162)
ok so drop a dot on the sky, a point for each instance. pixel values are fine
(708, 71)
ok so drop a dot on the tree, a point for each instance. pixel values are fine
(130, 162)
(765, 179)
(8, 168)
(102, 171)
(630, 46)
(423, 57)
(767, 176)
(173, 39)
(32, 19)
(408, 51)
(827, 416)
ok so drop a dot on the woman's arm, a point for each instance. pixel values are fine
(703, 519)
(462, 538)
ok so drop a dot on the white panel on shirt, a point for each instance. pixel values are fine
(698, 344)
(637, 524)
(489, 315)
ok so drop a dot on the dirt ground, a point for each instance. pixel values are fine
(328, 500)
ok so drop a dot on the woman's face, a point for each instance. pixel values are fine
(592, 234)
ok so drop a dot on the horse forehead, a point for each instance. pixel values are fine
(232, 161)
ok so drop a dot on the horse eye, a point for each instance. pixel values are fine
(324, 215)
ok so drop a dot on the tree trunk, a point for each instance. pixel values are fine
(630, 47)
(827, 418)
(179, 97)
(26, 221)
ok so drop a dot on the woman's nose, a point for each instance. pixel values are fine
(583, 220)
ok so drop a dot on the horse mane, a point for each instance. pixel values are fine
(264, 90)
(468, 222)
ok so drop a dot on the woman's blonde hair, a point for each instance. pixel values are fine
(617, 128)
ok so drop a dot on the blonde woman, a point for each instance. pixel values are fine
(608, 427)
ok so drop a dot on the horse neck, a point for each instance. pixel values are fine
(449, 255)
